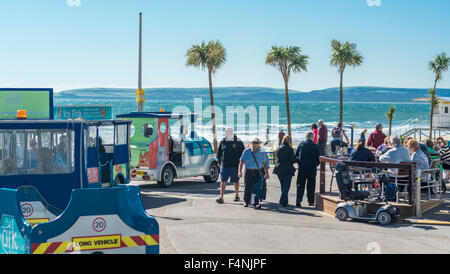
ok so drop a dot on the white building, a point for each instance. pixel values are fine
(441, 117)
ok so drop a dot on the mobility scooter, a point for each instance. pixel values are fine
(345, 210)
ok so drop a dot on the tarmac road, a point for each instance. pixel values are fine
(191, 222)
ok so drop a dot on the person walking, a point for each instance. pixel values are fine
(337, 133)
(228, 155)
(307, 156)
(267, 136)
(285, 169)
(323, 137)
(376, 139)
(281, 135)
(362, 137)
(256, 164)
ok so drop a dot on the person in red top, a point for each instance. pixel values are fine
(315, 130)
(376, 139)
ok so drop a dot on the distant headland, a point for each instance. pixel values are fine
(351, 94)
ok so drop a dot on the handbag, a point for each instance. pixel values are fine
(261, 190)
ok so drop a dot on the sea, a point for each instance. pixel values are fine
(265, 119)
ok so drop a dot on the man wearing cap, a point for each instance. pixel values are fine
(228, 155)
(256, 170)
(376, 139)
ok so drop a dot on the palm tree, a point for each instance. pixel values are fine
(390, 116)
(343, 55)
(287, 60)
(210, 56)
(438, 65)
(434, 101)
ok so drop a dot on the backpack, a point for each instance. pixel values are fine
(391, 192)
(336, 132)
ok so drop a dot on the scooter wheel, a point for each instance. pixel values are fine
(342, 214)
(384, 218)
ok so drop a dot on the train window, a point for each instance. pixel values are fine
(106, 134)
(92, 136)
(37, 152)
(147, 130)
(121, 134)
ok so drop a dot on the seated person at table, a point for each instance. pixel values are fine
(444, 152)
(362, 154)
(430, 146)
(397, 154)
(418, 156)
(385, 147)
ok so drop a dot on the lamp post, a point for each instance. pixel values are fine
(140, 93)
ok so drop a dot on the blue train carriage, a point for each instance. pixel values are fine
(157, 154)
(49, 203)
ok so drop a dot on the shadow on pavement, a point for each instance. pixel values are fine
(189, 187)
(153, 201)
(268, 206)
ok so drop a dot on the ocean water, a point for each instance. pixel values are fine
(257, 116)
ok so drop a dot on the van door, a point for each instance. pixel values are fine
(93, 160)
(121, 152)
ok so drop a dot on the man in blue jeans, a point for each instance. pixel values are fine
(228, 155)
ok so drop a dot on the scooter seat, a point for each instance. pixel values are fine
(359, 195)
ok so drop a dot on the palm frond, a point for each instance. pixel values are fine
(211, 55)
(345, 54)
(391, 112)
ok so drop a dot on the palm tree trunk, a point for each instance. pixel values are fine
(341, 97)
(288, 111)
(213, 113)
(432, 110)
(390, 126)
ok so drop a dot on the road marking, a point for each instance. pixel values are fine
(431, 222)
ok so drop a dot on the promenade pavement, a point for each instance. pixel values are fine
(192, 222)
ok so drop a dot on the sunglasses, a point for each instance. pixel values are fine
(256, 143)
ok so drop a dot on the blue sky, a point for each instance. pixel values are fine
(49, 43)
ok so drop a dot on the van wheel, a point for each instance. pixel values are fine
(213, 173)
(167, 177)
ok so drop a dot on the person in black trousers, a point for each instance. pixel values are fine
(285, 169)
(307, 156)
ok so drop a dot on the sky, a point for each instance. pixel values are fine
(65, 44)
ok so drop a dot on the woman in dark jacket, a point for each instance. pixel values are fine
(362, 154)
(284, 168)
